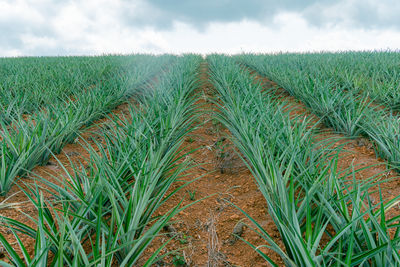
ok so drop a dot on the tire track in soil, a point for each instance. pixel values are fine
(358, 152)
(211, 219)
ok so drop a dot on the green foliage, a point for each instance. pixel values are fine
(192, 194)
(28, 142)
(343, 89)
(324, 218)
(178, 260)
(103, 213)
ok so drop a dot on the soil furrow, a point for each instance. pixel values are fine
(204, 231)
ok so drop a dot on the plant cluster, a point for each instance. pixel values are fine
(343, 89)
(324, 217)
(103, 213)
(28, 142)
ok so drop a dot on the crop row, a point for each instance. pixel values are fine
(334, 91)
(102, 214)
(374, 73)
(26, 143)
(103, 211)
(27, 84)
(324, 218)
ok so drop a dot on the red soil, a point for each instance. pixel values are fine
(204, 230)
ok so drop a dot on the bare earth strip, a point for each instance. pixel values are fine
(204, 231)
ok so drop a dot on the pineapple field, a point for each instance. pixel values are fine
(220, 160)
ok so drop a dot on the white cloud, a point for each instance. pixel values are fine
(31, 42)
(290, 32)
(21, 10)
(95, 27)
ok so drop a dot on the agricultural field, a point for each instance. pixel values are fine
(242, 160)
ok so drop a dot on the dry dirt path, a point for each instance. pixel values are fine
(204, 231)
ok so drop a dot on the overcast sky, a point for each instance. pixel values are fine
(62, 27)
